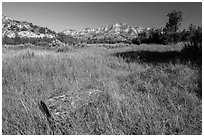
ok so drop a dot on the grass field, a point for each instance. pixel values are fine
(135, 90)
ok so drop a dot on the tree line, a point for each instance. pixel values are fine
(170, 34)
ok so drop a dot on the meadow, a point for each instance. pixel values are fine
(108, 90)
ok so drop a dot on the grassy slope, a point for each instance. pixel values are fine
(136, 98)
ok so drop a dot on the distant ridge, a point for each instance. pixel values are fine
(119, 31)
(116, 32)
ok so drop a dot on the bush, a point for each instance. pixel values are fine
(63, 48)
(136, 41)
(66, 38)
(193, 49)
(7, 40)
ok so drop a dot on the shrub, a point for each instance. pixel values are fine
(193, 49)
(136, 41)
(63, 48)
(66, 38)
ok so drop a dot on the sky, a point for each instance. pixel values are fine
(59, 16)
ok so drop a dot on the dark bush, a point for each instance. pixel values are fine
(7, 40)
(66, 38)
(193, 49)
(136, 41)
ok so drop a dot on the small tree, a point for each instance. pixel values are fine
(175, 18)
(173, 24)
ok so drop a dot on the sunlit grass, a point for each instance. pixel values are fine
(132, 98)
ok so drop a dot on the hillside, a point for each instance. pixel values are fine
(11, 27)
(20, 32)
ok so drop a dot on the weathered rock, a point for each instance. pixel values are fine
(63, 104)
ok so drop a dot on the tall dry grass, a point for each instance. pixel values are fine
(134, 98)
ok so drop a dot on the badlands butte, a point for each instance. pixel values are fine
(119, 32)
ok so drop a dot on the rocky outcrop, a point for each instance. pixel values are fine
(60, 105)
(11, 28)
(120, 31)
